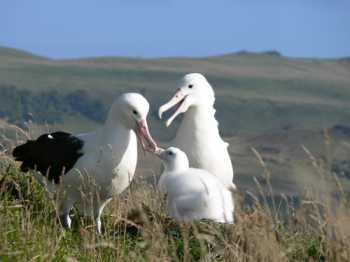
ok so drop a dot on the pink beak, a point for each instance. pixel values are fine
(181, 99)
(144, 137)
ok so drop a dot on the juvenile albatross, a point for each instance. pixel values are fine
(193, 193)
(89, 169)
(198, 134)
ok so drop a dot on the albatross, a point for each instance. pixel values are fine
(88, 169)
(192, 193)
(198, 134)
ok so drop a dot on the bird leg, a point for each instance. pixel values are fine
(98, 225)
(65, 220)
(63, 211)
(97, 215)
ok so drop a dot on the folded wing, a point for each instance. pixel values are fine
(52, 154)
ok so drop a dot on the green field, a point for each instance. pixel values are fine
(288, 124)
(263, 100)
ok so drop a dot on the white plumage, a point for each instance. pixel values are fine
(106, 163)
(198, 134)
(193, 193)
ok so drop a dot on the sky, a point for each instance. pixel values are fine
(160, 28)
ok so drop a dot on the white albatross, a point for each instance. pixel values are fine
(198, 134)
(89, 169)
(193, 193)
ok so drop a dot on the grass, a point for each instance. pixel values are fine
(290, 206)
(136, 227)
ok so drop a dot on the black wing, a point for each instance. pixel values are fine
(52, 154)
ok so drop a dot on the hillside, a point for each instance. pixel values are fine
(255, 92)
(260, 97)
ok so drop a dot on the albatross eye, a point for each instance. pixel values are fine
(135, 112)
(170, 153)
(190, 86)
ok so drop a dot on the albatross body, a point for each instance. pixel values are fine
(193, 193)
(198, 134)
(89, 169)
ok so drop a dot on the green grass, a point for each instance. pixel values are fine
(136, 228)
(264, 101)
(271, 223)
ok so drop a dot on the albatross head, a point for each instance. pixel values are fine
(193, 91)
(131, 109)
(173, 159)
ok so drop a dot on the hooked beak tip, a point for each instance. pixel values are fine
(160, 113)
(179, 100)
(168, 123)
(145, 137)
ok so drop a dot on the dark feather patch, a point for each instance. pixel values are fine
(52, 154)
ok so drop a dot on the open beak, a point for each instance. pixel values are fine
(181, 100)
(144, 137)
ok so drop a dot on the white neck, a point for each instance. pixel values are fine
(115, 133)
(177, 166)
(201, 121)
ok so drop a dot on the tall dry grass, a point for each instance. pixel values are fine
(136, 227)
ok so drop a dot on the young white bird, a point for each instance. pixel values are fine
(198, 134)
(193, 193)
(89, 169)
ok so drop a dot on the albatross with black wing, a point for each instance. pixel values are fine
(52, 154)
(87, 170)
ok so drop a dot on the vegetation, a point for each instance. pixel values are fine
(136, 227)
(268, 226)
(47, 107)
(263, 100)
(287, 121)
(255, 92)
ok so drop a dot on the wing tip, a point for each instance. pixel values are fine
(22, 150)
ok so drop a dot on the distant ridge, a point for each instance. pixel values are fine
(11, 52)
(18, 53)
(246, 52)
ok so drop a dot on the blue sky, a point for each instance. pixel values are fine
(153, 28)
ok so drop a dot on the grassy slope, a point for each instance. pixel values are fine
(255, 92)
(136, 228)
(258, 95)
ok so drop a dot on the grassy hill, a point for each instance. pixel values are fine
(287, 122)
(255, 91)
(260, 97)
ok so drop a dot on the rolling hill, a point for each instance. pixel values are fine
(255, 92)
(264, 100)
